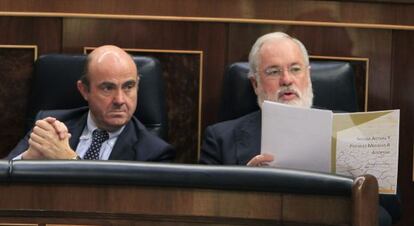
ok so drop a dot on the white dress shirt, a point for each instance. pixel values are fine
(85, 140)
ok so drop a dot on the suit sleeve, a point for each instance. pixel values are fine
(211, 153)
(392, 204)
(167, 154)
(151, 148)
(20, 147)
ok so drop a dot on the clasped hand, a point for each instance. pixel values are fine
(49, 140)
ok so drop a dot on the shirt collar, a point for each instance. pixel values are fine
(91, 126)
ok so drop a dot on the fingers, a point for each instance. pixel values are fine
(260, 160)
(50, 148)
(49, 140)
(35, 144)
(50, 119)
(53, 125)
(45, 125)
(267, 157)
(42, 131)
(38, 135)
(61, 129)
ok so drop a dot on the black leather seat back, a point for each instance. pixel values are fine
(180, 175)
(54, 87)
(4, 171)
(333, 86)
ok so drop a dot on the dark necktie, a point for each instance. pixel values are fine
(98, 137)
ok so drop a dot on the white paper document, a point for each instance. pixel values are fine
(350, 144)
(299, 138)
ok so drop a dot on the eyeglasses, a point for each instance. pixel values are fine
(294, 70)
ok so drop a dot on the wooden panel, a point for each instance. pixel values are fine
(181, 73)
(46, 33)
(78, 33)
(372, 44)
(12, 224)
(89, 204)
(213, 40)
(70, 225)
(298, 206)
(309, 10)
(16, 66)
(115, 204)
(403, 98)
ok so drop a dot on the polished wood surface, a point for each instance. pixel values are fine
(16, 66)
(137, 205)
(361, 195)
(182, 75)
(347, 11)
(45, 33)
(403, 98)
(382, 31)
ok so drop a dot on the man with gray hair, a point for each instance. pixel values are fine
(279, 72)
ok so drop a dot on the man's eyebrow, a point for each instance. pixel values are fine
(105, 83)
(129, 82)
(272, 66)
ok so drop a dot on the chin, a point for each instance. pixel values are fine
(116, 123)
(295, 102)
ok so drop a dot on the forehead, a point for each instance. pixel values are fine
(115, 70)
(281, 52)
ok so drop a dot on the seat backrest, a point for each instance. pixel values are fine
(54, 87)
(332, 81)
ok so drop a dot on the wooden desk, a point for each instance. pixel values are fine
(47, 203)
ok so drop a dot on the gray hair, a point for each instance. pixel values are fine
(254, 52)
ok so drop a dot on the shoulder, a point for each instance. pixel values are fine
(63, 115)
(227, 126)
(150, 146)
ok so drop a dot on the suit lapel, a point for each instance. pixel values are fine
(76, 127)
(248, 138)
(124, 148)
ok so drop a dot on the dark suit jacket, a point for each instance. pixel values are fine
(134, 142)
(232, 142)
(235, 142)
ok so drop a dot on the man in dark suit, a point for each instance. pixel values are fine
(279, 72)
(106, 129)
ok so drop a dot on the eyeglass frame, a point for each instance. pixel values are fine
(290, 70)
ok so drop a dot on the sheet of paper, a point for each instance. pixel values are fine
(298, 138)
(367, 143)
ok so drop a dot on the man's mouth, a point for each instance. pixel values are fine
(117, 112)
(288, 95)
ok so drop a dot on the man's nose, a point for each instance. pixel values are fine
(119, 97)
(286, 78)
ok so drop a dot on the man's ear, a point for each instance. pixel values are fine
(83, 90)
(253, 81)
